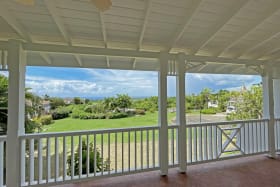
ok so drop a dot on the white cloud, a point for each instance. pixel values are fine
(97, 83)
(5, 73)
(225, 80)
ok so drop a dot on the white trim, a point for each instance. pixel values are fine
(148, 11)
(79, 60)
(216, 28)
(16, 105)
(243, 35)
(12, 21)
(181, 113)
(46, 58)
(51, 5)
(187, 19)
(162, 114)
(103, 29)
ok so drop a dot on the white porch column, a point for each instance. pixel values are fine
(162, 114)
(181, 112)
(268, 110)
(16, 100)
(276, 91)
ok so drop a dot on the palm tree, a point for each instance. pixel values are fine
(32, 108)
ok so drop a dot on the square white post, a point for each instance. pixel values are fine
(276, 91)
(16, 107)
(268, 110)
(181, 112)
(162, 114)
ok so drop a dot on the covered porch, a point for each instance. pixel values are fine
(171, 38)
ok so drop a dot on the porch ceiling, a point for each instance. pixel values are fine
(233, 36)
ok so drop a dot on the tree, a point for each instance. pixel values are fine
(30, 126)
(110, 103)
(223, 96)
(3, 103)
(123, 101)
(249, 104)
(77, 100)
(204, 97)
(55, 102)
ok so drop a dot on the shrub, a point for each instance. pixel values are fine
(88, 108)
(101, 116)
(101, 164)
(131, 112)
(209, 111)
(116, 115)
(75, 115)
(46, 120)
(140, 112)
(61, 113)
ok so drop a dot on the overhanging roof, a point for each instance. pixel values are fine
(232, 36)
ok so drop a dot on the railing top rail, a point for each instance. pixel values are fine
(225, 122)
(173, 126)
(77, 133)
(3, 138)
(116, 130)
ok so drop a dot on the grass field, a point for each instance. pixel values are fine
(69, 124)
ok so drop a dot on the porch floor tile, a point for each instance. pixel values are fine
(255, 171)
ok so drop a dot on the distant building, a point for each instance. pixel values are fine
(231, 106)
(46, 106)
(213, 104)
(68, 101)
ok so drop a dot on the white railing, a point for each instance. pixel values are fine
(277, 134)
(54, 158)
(173, 145)
(216, 141)
(61, 157)
(2, 160)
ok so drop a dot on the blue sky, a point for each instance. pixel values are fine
(81, 82)
(71, 82)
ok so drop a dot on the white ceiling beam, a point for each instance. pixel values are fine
(186, 21)
(51, 6)
(194, 66)
(79, 60)
(201, 67)
(268, 51)
(12, 21)
(103, 28)
(4, 45)
(108, 62)
(219, 25)
(148, 11)
(222, 67)
(255, 46)
(53, 48)
(264, 16)
(46, 58)
(236, 70)
(134, 63)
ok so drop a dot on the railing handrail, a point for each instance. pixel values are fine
(224, 122)
(85, 132)
(115, 130)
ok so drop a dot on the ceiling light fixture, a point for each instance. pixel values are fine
(102, 5)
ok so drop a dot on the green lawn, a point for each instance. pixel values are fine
(69, 124)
